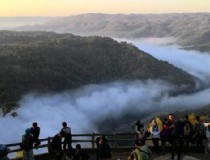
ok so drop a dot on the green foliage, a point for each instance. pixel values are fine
(8, 108)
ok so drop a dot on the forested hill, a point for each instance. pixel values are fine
(46, 61)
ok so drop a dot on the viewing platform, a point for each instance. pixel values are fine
(121, 146)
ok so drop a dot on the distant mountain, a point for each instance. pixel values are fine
(13, 22)
(191, 30)
(47, 62)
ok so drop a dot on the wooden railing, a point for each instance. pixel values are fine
(88, 141)
(116, 140)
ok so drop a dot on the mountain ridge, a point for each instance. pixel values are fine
(191, 30)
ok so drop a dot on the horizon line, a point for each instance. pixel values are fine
(58, 16)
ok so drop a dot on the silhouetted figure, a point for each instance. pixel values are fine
(164, 134)
(139, 129)
(171, 126)
(188, 131)
(80, 154)
(27, 145)
(66, 133)
(207, 139)
(35, 131)
(55, 147)
(177, 139)
(97, 145)
(199, 133)
(4, 150)
(104, 149)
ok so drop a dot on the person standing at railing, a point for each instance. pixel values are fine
(35, 131)
(164, 134)
(66, 134)
(207, 138)
(55, 147)
(188, 131)
(104, 149)
(4, 150)
(171, 126)
(155, 135)
(199, 133)
(97, 145)
(27, 145)
(139, 129)
(177, 137)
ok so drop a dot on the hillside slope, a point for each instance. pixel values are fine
(46, 62)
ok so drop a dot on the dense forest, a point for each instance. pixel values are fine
(50, 62)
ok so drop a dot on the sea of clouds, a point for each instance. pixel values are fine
(84, 107)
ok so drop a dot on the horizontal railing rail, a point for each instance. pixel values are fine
(88, 141)
(116, 140)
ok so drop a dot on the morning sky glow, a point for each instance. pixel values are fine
(72, 7)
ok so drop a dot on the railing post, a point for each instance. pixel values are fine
(114, 140)
(48, 142)
(93, 140)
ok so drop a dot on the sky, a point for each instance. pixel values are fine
(73, 7)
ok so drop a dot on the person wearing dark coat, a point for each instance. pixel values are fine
(104, 149)
(35, 131)
(80, 154)
(27, 145)
(55, 147)
(97, 145)
(66, 133)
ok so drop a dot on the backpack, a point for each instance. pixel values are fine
(200, 129)
(27, 142)
(3, 150)
(187, 129)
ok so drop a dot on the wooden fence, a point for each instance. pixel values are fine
(88, 141)
(116, 140)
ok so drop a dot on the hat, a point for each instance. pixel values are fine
(28, 131)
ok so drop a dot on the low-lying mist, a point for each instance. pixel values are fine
(87, 107)
(193, 62)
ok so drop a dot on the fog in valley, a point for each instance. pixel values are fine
(193, 62)
(86, 107)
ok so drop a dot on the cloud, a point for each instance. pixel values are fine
(80, 108)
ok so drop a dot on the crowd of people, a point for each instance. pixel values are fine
(29, 140)
(57, 151)
(178, 134)
(60, 146)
